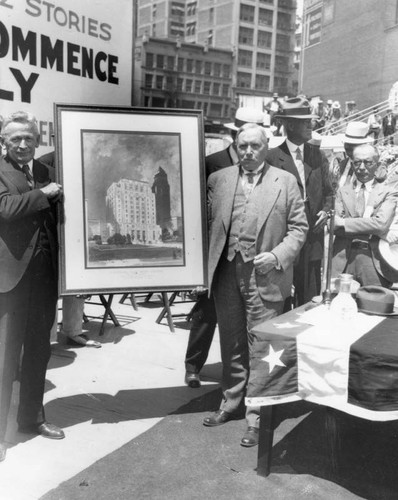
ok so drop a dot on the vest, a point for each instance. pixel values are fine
(243, 229)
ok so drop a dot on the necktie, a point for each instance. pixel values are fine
(300, 169)
(250, 182)
(28, 175)
(360, 201)
(299, 156)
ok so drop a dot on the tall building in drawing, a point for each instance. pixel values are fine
(131, 210)
(161, 190)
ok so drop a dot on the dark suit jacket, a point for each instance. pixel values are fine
(389, 129)
(382, 202)
(221, 159)
(22, 213)
(317, 185)
(281, 225)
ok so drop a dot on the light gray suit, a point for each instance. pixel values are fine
(244, 297)
(381, 202)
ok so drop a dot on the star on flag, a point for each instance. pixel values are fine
(273, 358)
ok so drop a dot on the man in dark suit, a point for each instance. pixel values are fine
(365, 210)
(257, 226)
(28, 285)
(311, 170)
(204, 318)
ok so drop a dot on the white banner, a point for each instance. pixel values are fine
(65, 51)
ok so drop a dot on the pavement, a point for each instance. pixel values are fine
(129, 395)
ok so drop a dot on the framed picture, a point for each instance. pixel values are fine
(134, 199)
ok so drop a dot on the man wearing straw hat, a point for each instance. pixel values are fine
(311, 169)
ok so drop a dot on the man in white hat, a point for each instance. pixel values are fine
(365, 209)
(311, 168)
(204, 319)
(356, 133)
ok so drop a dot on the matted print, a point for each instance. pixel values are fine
(134, 212)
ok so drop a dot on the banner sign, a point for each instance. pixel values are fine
(64, 51)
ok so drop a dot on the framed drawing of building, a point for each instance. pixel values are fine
(134, 199)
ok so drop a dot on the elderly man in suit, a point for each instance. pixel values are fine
(310, 167)
(204, 318)
(28, 285)
(365, 210)
(257, 226)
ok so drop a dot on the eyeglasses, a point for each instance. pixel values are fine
(367, 163)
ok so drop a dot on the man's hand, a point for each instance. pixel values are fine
(392, 237)
(338, 222)
(53, 191)
(321, 221)
(197, 292)
(265, 262)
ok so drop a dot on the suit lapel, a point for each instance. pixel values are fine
(15, 175)
(348, 197)
(286, 163)
(269, 194)
(229, 188)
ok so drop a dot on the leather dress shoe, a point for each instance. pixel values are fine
(45, 429)
(3, 451)
(218, 418)
(192, 380)
(250, 437)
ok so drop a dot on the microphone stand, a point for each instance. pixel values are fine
(327, 294)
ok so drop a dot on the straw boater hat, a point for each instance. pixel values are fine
(246, 115)
(316, 139)
(296, 107)
(374, 299)
(357, 133)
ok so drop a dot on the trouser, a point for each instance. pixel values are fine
(239, 308)
(72, 315)
(360, 265)
(27, 313)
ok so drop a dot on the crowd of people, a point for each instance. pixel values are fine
(267, 213)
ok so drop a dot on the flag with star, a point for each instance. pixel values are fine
(305, 354)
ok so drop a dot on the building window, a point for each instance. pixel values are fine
(264, 39)
(269, 2)
(177, 9)
(198, 67)
(282, 42)
(159, 82)
(216, 88)
(245, 58)
(189, 66)
(226, 71)
(148, 80)
(180, 83)
(245, 36)
(205, 107)
(281, 63)
(198, 86)
(160, 61)
(207, 68)
(149, 60)
(246, 13)
(215, 109)
(280, 84)
(206, 87)
(169, 82)
(170, 62)
(225, 90)
(180, 64)
(263, 61)
(244, 80)
(210, 38)
(211, 15)
(265, 17)
(191, 28)
(154, 30)
(188, 86)
(284, 21)
(217, 69)
(191, 9)
(262, 82)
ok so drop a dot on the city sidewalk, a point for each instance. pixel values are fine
(134, 430)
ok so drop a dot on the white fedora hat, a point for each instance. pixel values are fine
(357, 133)
(389, 253)
(246, 115)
